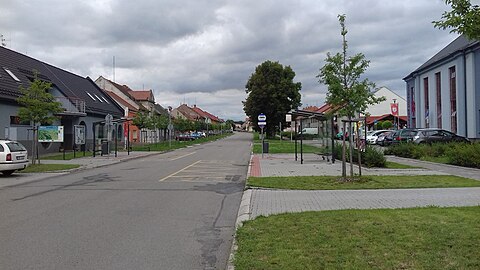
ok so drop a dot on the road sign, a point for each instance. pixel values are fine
(108, 119)
(170, 127)
(288, 118)
(262, 123)
(262, 117)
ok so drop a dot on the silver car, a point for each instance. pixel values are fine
(372, 136)
(13, 157)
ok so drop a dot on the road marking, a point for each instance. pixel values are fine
(183, 156)
(191, 165)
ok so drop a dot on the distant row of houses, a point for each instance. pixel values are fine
(85, 102)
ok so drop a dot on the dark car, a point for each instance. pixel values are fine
(385, 138)
(404, 135)
(429, 135)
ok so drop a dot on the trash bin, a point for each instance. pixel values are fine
(105, 147)
(265, 147)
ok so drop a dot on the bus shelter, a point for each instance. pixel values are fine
(325, 135)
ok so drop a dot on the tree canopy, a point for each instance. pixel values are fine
(271, 91)
(39, 105)
(464, 18)
(342, 75)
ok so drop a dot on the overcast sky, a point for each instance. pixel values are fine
(203, 51)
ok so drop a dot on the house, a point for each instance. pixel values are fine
(444, 92)
(83, 102)
(185, 112)
(133, 102)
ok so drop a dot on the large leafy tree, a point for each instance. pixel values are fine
(464, 18)
(346, 90)
(39, 107)
(271, 91)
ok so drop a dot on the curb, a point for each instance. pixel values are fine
(243, 215)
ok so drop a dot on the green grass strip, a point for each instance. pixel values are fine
(394, 165)
(49, 168)
(68, 156)
(419, 238)
(278, 147)
(164, 146)
(366, 182)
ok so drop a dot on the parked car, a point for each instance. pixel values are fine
(404, 135)
(13, 157)
(432, 135)
(198, 135)
(385, 138)
(372, 136)
(184, 137)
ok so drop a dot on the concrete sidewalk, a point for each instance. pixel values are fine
(85, 163)
(257, 201)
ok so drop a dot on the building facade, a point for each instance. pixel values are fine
(83, 102)
(444, 92)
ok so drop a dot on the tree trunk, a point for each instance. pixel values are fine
(359, 151)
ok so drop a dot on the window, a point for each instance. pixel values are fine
(91, 96)
(15, 120)
(453, 100)
(99, 99)
(11, 74)
(425, 91)
(438, 85)
(412, 108)
(105, 100)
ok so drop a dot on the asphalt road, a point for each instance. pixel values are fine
(169, 211)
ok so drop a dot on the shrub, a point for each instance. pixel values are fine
(387, 124)
(370, 158)
(464, 154)
(406, 150)
(373, 158)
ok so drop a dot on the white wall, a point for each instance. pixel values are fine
(384, 106)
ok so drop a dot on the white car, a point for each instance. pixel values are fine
(372, 136)
(13, 157)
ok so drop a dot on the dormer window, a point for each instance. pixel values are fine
(91, 96)
(11, 74)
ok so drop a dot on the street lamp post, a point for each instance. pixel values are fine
(395, 125)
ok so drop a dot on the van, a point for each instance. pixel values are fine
(313, 131)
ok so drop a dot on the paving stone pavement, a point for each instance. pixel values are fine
(270, 201)
(267, 202)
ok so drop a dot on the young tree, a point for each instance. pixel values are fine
(39, 107)
(346, 91)
(141, 120)
(271, 91)
(464, 18)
